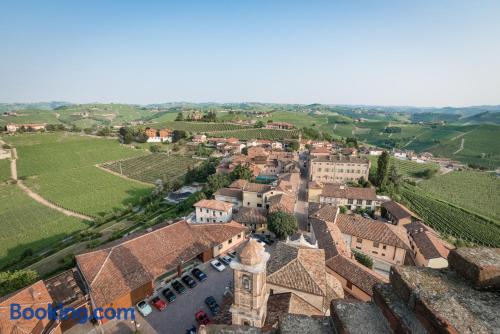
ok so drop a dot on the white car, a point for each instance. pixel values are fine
(217, 265)
(144, 308)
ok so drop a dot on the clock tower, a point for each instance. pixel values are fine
(250, 292)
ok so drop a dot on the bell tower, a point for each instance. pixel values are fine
(250, 292)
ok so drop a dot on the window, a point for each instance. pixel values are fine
(375, 244)
(375, 252)
(368, 202)
(246, 282)
(359, 201)
(259, 205)
(230, 241)
(201, 219)
(239, 236)
(348, 285)
(358, 247)
(350, 201)
(220, 247)
(248, 203)
(259, 195)
(384, 246)
(220, 213)
(383, 254)
(359, 240)
(206, 210)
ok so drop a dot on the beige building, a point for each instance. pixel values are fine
(340, 195)
(427, 248)
(338, 168)
(398, 214)
(386, 244)
(213, 211)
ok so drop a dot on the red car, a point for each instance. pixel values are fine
(202, 318)
(158, 303)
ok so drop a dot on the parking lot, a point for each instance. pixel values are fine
(179, 315)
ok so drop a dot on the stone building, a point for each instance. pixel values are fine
(338, 168)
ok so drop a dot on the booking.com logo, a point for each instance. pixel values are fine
(80, 315)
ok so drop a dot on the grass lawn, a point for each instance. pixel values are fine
(61, 168)
(475, 191)
(4, 170)
(26, 224)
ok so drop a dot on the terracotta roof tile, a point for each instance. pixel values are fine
(339, 191)
(373, 230)
(214, 204)
(355, 273)
(137, 261)
(398, 210)
(281, 202)
(427, 241)
(247, 215)
(230, 192)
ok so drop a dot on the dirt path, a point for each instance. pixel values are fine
(461, 146)
(43, 201)
(35, 196)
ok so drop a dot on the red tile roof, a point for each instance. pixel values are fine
(116, 271)
(377, 231)
(213, 204)
(339, 191)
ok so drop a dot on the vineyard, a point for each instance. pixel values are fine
(474, 191)
(199, 127)
(404, 167)
(25, 224)
(152, 167)
(248, 134)
(451, 220)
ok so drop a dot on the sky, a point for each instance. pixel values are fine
(420, 53)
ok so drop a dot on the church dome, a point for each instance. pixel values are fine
(251, 254)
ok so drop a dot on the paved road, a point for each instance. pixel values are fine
(301, 207)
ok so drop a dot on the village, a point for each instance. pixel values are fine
(298, 242)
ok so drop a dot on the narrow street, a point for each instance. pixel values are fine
(301, 207)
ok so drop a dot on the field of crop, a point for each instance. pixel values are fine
(4, 170)
(25, 224)
(247, 134)
(198, 127)
(451, 220)
(30, 116)
(152, 167)
(61, 168)
(405, 168)
(475, 191)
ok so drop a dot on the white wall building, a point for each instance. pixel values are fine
(213, 211)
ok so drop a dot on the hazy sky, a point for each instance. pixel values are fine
(423, 53)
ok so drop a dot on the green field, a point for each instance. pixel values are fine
(31, 116)
(197, 127)
(61, 168)
(26, 224)
(475, 191)
(405, 168)
(248, 134)
(4, 170)
(152, 167)
(451, 220)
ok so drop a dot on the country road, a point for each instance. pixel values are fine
(461, 146)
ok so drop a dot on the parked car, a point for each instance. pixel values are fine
(144, 308)
(212, 305)
(158, 303)
(192, 330)
(189, 281)
(202, 318)
(225, 259)
(178, 287)
(267, 241)
(200, 275)
(217, 265)
(169, 295)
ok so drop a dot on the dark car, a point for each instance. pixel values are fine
(266, 240)
(233, 254)
(192, 330)
(169, 295)
(189, 281)
(212, 305)
(200, 275)
(178, 287)
(225, 259)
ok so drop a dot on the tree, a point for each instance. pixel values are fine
(244, 150)
(154, 148)
(178, 135)
(11, 281)
(343, 209)
(180, 116)
(215, 182)
(241, 172)
(294, 145)
(363, 258)
(395, 178)
(282, 224)
(259, 124)
(382, 170)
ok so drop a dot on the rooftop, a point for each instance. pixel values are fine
(117, 270)
(214, 204)
(398, 210)
(340, 191)
(342, 159)
(230, 192)
(247, 215)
